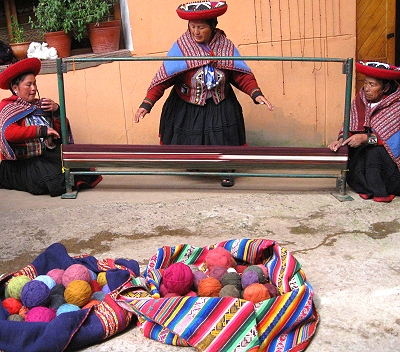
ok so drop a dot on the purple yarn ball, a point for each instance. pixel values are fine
(248, 278)
(35, 293)
(198, 275)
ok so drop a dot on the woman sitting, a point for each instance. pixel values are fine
(30, 136)
(374, 141)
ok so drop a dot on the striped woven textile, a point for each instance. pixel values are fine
(286, 322)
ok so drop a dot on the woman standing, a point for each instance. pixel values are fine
(202, 108)
(374, 153)
(30, 136)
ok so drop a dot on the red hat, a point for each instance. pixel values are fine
(378, 70)
(13, 71)
(201, 10)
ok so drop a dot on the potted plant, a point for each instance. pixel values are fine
(96, 17)
(54, 21)
(18, 44)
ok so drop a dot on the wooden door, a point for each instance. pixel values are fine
(376, 24)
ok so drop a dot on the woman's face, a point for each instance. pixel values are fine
(27, 88)
(374, 89)
(200, 31)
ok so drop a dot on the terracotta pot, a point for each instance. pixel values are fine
(61, 41)
(20, 50)
(104, 36)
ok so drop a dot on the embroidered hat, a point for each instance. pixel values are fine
(26, 65)
(201, 10)
(378, 70)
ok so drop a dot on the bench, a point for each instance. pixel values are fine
(177, 160)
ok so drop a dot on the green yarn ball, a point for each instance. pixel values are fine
(232, 279)
(15, 286)
(229, 291)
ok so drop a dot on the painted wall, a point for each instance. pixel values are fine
(308, 97)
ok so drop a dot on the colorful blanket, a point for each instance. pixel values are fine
(74, 329)
(286, 322)
(186, 46)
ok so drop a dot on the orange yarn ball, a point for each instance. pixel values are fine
(209, 287)
(12, 305)
(256, 293)
(78, 292)
(91, 303)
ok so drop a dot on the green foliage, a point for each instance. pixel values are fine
(90, 11)
(17, 31)
(53, 16)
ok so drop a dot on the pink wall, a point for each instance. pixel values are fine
(308, 97)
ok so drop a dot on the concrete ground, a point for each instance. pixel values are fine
(348, 250)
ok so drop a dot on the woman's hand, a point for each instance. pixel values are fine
(263, 100)
(356, 140)
(52, 132)
(48, 105)
(335, 145)
(140, 113)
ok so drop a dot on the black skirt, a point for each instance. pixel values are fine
(41, 174)
(212, 124)
(373, 172)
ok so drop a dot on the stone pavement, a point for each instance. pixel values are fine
(348, 250)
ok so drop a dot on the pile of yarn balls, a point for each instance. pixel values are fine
(222, 278)
(59, 291)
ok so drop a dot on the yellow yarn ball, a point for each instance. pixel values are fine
(101, 278)
(78, 292)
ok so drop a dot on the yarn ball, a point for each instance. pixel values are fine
(56, 275)
(12, 305)
(99, 296)
(35, 293)
(272, 289)
(95, 286)
(171, 294)
(264, 269)
(198, 275)
(256, 293)
(259, 271)
(217, 272)
(49, 281)
(106, 289)
(56, 301)
(229, 291)
(15, 286)
(219, 256)
(163, 290)
(178, 278)
(232, 279)
(209, 287)
(76, 272)
(78, 292)
(66, 308)
(91, 303)
(248, 278)
(101, 278)
(15, 317)
(241, 268)
(40, 314)
(22, 312)
(93, 274)
(191, 294)
(58, 290)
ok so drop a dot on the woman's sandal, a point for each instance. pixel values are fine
(228, 182)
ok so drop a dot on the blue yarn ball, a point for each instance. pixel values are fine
(66, 308)
(106, 289)
(35, 293)
(49, 281)
(99, 296)
(93, 274)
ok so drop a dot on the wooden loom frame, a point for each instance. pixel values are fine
(215, 158)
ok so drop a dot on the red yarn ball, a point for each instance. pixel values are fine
(95, 286)
(209, 287)
(40, 314)
(256, 293)
(178, 278)
(12, 305)
(219, 256)
(76, 272)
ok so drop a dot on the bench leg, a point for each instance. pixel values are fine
(69, 193)
(341, 187)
